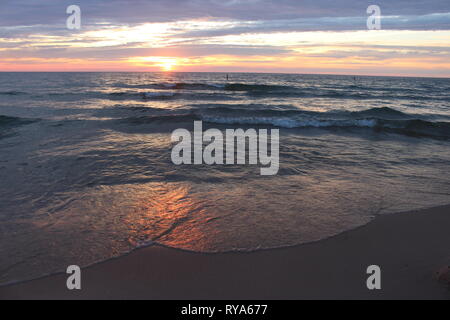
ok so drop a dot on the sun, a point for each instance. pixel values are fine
(167, 66)
(164, 63)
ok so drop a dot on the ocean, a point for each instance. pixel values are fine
(86, 170)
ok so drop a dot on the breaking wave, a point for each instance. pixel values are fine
(378, 119)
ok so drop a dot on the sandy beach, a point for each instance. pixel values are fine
(409, 247)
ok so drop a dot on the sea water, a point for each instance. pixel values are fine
(86, 170)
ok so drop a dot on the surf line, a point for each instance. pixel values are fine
(229, 148)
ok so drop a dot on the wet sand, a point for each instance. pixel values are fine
(409, 247)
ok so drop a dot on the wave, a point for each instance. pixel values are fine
(288, 91)
(12, 93)
(6, 121)
(208, 86)
(378, 119)
(174, 86)
(267, 110)
(233, 92)
(165, 90)
(156, 95)
(384, 112)
(261, 90)
(164, 119)
(257, 87)
(291, 123)
(153, 95)
(271, 110)
(417, 128)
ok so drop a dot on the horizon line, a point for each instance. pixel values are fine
(234, 72)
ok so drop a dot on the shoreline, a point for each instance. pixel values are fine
(409, 247)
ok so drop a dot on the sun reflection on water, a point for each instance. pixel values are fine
(167, 211)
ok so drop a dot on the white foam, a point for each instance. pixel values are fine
(291, 123)
(158, 94)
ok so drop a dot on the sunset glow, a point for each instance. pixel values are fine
(165, 63)
(407, 45)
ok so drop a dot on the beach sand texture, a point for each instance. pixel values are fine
(410, 248)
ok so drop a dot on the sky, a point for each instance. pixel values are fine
(285, 36)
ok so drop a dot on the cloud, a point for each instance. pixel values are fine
(436, 21)
(250, 31)
(28, 12)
